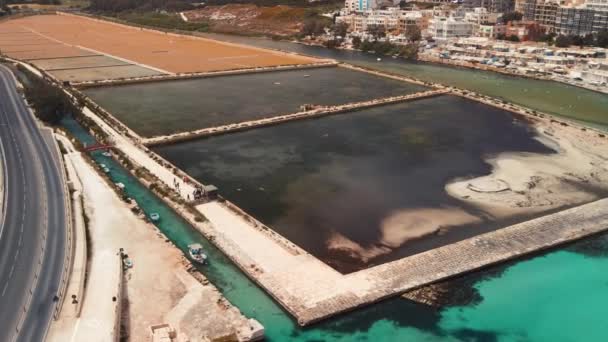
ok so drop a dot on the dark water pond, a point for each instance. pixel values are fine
(168, 107)
(354, 176)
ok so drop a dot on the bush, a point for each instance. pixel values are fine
(166, 21)
(50, 102)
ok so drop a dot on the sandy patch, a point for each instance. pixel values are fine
(339, 243)
(404, 225)
(522, 183)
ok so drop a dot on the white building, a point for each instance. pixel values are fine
(359, 5)
(442, 28)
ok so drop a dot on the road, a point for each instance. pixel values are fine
(33, 222)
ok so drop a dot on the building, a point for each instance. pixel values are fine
(359, 5)
(485, 31)
(498, 6)
(545, 14)
(600, 20)
(442, 28)
(480, 15)
(524, 30)
(527, 8)
(574, 21)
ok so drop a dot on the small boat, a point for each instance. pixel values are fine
(277, 83)
(106, 170)
(306, 75)
(120, 186)
(196, 253)
(127, 263)
(378, 59)
(154, 217)
(106, 154)
(103, 166)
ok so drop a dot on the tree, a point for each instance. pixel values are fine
(376, 31)
(412, 32)
(513, 38)
(562, 41)
(511, 16)
(356, 42)
(340, 29)
(366, 46)
(332, 43)
(601, 39)
(588, 40)
(402, 4)
(50, 103)
(313, 27)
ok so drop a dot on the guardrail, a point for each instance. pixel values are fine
(69, 252)
(116, 328)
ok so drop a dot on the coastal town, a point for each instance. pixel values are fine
(564, 41)
(376, 171)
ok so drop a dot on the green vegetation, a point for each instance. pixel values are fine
(50, 103)
(296, 3)
(511, 16)
(599, 39)
(161, 20)
(408, 51)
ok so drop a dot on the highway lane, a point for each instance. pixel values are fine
(32, 233)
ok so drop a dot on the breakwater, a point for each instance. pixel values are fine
(209, 74)
(305, 114)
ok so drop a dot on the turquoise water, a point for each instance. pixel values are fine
(559, 296)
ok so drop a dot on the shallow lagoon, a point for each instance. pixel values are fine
(547, 96)
(557, 296)
(162, 108)
(359, 177)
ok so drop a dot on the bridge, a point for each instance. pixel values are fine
(97, 147)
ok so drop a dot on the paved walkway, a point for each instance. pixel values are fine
(311, 291)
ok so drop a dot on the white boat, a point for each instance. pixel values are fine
(107, 154)
(196, 253)
(106, 170)
(154, 217)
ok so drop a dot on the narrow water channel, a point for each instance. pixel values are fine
(560, 296)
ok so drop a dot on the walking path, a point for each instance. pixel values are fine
(312, 291)
(158, 289)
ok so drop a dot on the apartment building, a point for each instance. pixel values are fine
(442, 28)
(574, 21)
(359, 5)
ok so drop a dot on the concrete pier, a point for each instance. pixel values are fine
(307, 114)
(311, 291)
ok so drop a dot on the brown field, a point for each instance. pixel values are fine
(173, 53)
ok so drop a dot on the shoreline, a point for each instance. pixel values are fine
(472, 66)
(325, 293)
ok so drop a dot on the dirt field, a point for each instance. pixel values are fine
(77, 62)
(21, 43)
(177, 54)
(245, 18)
(103, 73)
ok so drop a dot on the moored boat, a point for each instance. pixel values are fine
(154, 217)
(196, 253)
